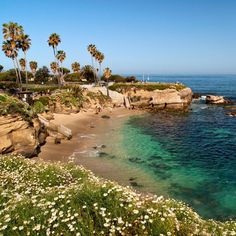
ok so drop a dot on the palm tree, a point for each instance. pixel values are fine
(53, 41)
(107, 74)
(75, 67)
(99, 57)
(10, 51)
(61, 56)
(33, 67)
(12, 33)
(24, 44)
(54, 67)
(92, 50)
(22, 64)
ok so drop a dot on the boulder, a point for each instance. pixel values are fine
(212, 99)
(232, 114)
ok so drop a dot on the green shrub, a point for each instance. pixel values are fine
(13, 106)
(38, 107)
(120, 79)
(73, 77)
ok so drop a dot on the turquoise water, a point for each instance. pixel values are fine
(191, 155)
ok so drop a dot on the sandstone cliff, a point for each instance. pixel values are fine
(160, 99)
(20, 136)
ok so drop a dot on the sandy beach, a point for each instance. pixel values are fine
(92, 135)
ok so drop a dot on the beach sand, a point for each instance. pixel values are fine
(93, 134)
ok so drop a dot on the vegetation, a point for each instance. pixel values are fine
(119, 87)
(75, 67)
(33, 67)
(42, 75)
(88, 73)
(1, 68)
(15, 39)
(99, 58)
(121, 79)
(13, 106)
(40, 198)
(73, 77)
(102, 99)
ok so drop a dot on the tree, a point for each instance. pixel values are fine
(107, 74)
(75, 67)
(24, 44)
(1, 68)
(11, 34)
(54, 67)
(92, 50)
(99, 57)
(88, 73)
(22, 64)
(42, 75)
(61, 56)
(53, 41)
(33, 67)
(8, 47)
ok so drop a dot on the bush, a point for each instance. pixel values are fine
(13, 106)
(9, 75)
(73, 77)
(38, 107)
(120, 79)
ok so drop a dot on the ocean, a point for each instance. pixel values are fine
(192, 156)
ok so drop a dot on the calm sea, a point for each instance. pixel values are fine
(192, 155)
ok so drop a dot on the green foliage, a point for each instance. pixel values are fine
(65, 70)
(40, 198)
(9, 75)
(120, 79)
(73, 77)
(13, 106)
(39, 107)
(119, 87)
(42, 75)
(8, 85)
(87, 72)
(102, 99)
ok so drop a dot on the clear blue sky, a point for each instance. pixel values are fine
(148, 36)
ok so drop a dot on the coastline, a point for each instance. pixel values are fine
(91, 135)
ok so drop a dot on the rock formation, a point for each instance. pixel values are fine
(212, 99)
(170, 99)
(20, 136)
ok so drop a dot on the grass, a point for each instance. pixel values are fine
(119, 87)
(38, 198)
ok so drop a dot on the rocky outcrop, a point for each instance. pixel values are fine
(143, 99)
(160, 99)
(212, 99)
(20, 136)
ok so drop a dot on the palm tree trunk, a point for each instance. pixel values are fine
(18, 67)
(17, 76)
(100, 71)
(94, 71)
(26, 73)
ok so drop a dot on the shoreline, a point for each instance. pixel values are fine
(91, 135)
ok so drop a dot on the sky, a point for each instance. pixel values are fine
(136, 36)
